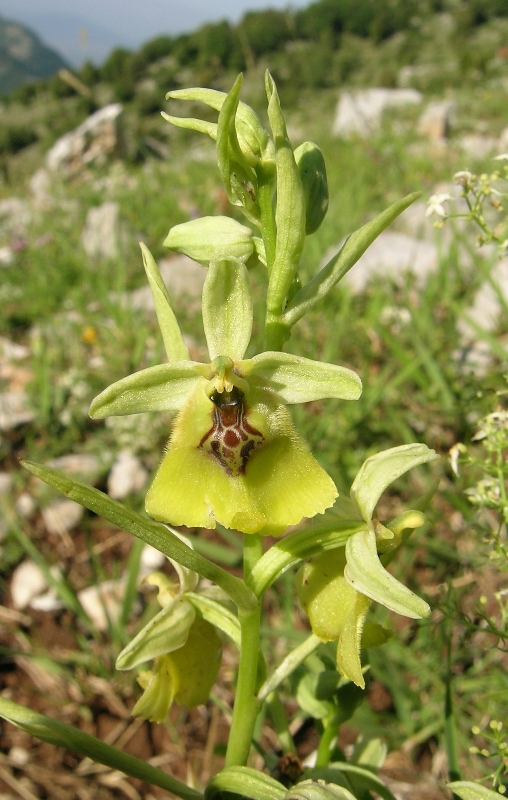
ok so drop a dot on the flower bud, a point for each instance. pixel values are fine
(311, 166)
(211, 239)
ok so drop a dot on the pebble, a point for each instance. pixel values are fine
(151, 559)
(18, 757)
(6, 482)
(61, 516)
(128, 475)
(25, 505)
(86, 467)
(28, 581)
(14, 410)
(96, 600)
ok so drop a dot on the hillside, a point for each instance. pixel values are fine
(23, 57)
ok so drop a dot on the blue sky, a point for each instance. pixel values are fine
(81, 29)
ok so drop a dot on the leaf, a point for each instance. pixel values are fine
(227, 309)
(154, 533)
(245, 782)
(352, 249)
(360, 778)
(380, 470)
(318, 790)
(467, 790)
(165, 632)
(61, 734)
(300, 380)
(174, 344)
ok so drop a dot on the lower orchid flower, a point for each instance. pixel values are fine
(336, 588)
(234, 457)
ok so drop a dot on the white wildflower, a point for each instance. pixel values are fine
(435, 205)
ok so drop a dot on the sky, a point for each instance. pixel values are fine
(90, 29)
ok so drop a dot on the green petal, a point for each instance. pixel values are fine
(167, 631)
(311, 167)
(227, 309)
(156, 700)
(350, 641)
(161, 388)
(196, 664)
(176, 348)
(378, 471)
(300, 380)
(365, 573)
(211, 239)
(189, 123)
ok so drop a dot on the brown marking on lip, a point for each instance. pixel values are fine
(231, 438)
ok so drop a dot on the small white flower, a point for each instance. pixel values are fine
(435, 205)
(502, 157)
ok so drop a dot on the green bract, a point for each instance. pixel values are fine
(234, 457)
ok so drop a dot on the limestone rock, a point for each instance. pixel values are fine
(479, 146)
(6, 483)
(27, 582)
(360, 113)
(96, 140)
(62, 516)
(436, 120)
(128, 475)
(101, 234)
(14, 410)
(103, 601)
(183, 277)
(25, 505)
(151, 559)
(80, 465)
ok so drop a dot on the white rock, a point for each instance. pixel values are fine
(97, 600)
(14, 410)
(6, 256)
(151, 559)
(502, 144)
(392, 256)
(436, 120)
(101, 234)
(25, 505)
(478, 146)
(128, 475)
(18, 757)
(27, 582)
(94, 141)
(360, 113)
(15, 217)
(86, 467)
(62, 516)
(183, 277)
(40, 186)
(11, 351)
(6, 482)
(47, 602)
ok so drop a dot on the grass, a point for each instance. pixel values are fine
(82, 337)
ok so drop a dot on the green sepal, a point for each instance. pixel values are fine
(217, 615)
(244, 782)
(300, 380)
(189, 123)
(312, 170)
(252, 137)
(196, 664)
(380, 470)
(227, 309)
(167, 631)
(60, 734)
(259, 247)
(352, 249)
(290, 209)
(318, 790)
(174, 344)
(467, 790)
(238, 177)
(365, 573)
(211, 239)
(164, 387)
(159, 691)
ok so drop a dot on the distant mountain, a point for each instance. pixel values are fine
(23, 57)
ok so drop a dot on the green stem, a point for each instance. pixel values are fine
(279, 719)
(252, 552)
(331, 728)
(450, 726)
(246, 705)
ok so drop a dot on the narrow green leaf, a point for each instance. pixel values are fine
(299, 380)
(161, 388)
(467, 790)
(297, 546)
(61, 734)
(380, 470)
(360, 778)
(365, 573)
(166, 632)
(245, 782)
(227, 309)
(353, 248)
(176, 348)
(154, 533)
